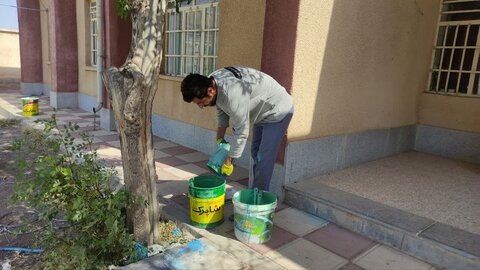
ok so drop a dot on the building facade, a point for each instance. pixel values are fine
(369, 79)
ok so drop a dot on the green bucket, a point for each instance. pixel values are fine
(253, 212)
(207, 199)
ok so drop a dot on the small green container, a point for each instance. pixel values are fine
(30, 106)
(218, 158)
(207, 200)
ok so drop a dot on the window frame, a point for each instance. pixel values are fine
(441, 49)
(180, 68)
(92, 23)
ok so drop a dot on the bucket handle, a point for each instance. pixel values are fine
(257, 196)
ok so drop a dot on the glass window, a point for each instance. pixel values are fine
(456, 55)
(93, 33)
(192, 38)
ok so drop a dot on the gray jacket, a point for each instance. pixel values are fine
(254, 98)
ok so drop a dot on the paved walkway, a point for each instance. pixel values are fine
(299, 240)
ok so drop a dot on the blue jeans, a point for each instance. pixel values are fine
(266, 141)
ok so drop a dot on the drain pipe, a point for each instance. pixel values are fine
(99, 7)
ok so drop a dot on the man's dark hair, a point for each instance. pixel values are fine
(195, 86)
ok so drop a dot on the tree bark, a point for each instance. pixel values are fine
(132, 88)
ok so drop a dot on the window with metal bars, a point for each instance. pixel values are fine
(93, 32)
(191, 38)
(455, 68)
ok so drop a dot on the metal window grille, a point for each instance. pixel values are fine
(93, 33)
(455, 68)
(191, 38)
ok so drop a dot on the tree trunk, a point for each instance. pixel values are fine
(132, 88)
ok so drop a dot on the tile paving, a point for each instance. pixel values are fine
(303, 254)
(158, 154)
(299, 240)
(340, 241)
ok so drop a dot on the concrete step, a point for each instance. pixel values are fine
(437, 243)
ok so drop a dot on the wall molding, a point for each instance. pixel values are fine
(63, 99)
(448, 143)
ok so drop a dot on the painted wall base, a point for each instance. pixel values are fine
(86, 102)
(310, 158)
(448, 143)
(63, 99)
(107, 119)
(32, 89)
(46, 89)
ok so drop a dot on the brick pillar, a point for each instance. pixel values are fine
(64, 54)
(118, 36)
(279, 37)
(30, 47)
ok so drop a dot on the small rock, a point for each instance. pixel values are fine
(6, 265)
(155, 249)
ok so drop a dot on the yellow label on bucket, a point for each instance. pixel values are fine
(207, 210)
(30, 106)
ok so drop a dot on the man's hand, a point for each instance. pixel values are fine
(221, 132)
(227, 169)
(221, 140)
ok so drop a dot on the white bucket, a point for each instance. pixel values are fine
(253, 221)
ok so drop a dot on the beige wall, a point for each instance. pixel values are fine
(9, 54)
(241, 33)
(459, 113)
(87, 75)
(360, 64)
(169, 103)
(240, 43)
(44, 22)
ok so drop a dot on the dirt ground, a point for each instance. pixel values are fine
(10, 214)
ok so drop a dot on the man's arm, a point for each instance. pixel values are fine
(221, 132)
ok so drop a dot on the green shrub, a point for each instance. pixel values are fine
(62, 177)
